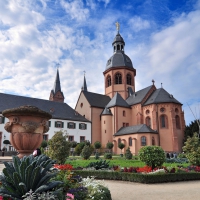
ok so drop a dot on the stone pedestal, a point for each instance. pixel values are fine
(26, 126)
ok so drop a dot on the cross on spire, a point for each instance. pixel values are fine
(153, 81)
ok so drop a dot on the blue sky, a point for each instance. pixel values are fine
(162, 39)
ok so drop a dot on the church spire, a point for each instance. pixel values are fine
(56, 93)
(84, 87)
(57, 83)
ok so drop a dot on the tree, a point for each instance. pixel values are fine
(191, 129)
(86, 152)
(153, 156)
(73, 144)
(79, 148)
(97, 145)
(128, 154)
(109, 146)
(192, 149)
(121, 146)
(59, 147)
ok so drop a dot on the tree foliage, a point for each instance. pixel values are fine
(97, 145)
(109, 145)
(44, 144)
(86, 152)
(191, 129)
(59, 147)
(128, 154)
(153, 156)
(192, 149)
(121, 146)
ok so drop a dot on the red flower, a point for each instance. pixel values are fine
(63, 167)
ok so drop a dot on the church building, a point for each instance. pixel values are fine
(150, 116)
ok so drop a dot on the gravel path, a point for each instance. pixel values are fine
(121, 190)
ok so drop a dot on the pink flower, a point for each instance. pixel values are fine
(68, 195)
(1, 198)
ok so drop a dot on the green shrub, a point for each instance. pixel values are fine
(73, 144)
(59, 147)
(43, 144)
(101, 164)
(86, 152)
(28, 173)
(97, 156)
(181, 155)
(176, 160)
(192, 149)
(121, 146)
(153, 156)
(103, 195)
(108, 156)
(97, 145)
(128, 154)
(109, 146)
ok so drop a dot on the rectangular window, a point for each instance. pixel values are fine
(71, 138)
(82, 126)
(124, 124)
(71, 125)
(2, 120)
(49, 123)
(45, 137)
(59, 124)
(127, 124)
(82, 138)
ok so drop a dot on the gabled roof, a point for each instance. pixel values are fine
(141, 128)
(138, 96)
(96, 100)
(161, 96)
(56, 109)
(117, 100)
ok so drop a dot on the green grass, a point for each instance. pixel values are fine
(77, 161)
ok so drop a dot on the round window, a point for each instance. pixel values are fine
(162, 110)
(147, 112)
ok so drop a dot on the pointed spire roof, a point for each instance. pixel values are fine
(57, 86)
(106, 111)
(117, 100)
(84, 87)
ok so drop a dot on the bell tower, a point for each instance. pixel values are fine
(119, 75)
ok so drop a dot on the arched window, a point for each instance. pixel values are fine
(153, 141)
(177, 118)
(119, 141)
(118, 47)
(163, 121)
(108, 81)
(130, 141)
(124, 113)
(118, 78)
(143, 141)
(128, 79)
(148, 121)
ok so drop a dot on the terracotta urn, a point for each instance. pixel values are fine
(26, 126)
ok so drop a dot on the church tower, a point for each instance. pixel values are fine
(119, 75)
(56, 93)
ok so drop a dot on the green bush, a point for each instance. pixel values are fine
(109, 146)
(153, 156)
(86, 152)
(28, 173)
(128, 154)
(103, 195)
(108, 156)
(59, 147)
(121, 146)
(73, 144)
(97, 145)
(176, 160)
(43, 144)
(192, 149)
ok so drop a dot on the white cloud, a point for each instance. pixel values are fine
(137, 24)
(105, 1)
(75, 9)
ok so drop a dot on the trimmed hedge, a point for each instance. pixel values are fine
(140, 178)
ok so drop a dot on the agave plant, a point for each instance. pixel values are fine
(28, 173)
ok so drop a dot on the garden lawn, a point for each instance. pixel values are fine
(77, 161)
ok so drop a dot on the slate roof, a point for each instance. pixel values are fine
(119, 59)
(84, 87)
(57, 86)
(106, 111)
(161, 96)
(96, 100)
(138, 96)
(118, 38)
(117, 100)
(59, 110)
(141, 128)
